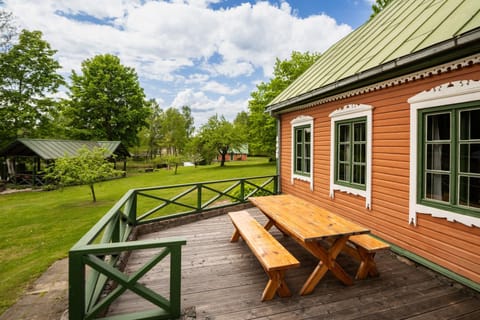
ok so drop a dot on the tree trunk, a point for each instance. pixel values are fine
(222, 163)
(93, 193)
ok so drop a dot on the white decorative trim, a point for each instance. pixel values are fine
(445, 94)
(349, 112)
(423, 74)
(301, 121)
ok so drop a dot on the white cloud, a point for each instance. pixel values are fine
(180, 44)
(219, 88)
(203, 107)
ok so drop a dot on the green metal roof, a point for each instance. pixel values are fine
(48, 149)
(403, 28)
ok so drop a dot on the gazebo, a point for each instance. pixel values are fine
(24, 159)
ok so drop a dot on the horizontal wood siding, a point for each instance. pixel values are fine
(451, 245)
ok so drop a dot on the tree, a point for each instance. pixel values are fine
(88, 167)
(28, 80)
(176, 128)
(262, 127)
(220, 135)
(8, 31)
(106, 101)
(241, 125)
(378, 6)
(150, 135)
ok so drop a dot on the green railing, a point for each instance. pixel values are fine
(96, 276)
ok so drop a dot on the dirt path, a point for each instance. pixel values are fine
(46, 299)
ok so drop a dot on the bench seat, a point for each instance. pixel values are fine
(273, 257)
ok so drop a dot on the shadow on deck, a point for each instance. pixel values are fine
(223, 280)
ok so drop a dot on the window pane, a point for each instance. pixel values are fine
(307, 134)
(359, 174)
(299, 164)
(359, 151)
(469, 124)
(299, 150)
(438, 127)
(470, 158)
(344, 152)
(307, 166)
(298, 135)
(343, 172)
(469, 192)
(438, 157)
(307, 150)
(344, 133)
(438, 187)
(359, 130)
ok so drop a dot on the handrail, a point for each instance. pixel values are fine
(97, 258)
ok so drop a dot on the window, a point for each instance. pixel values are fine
(351, 151)
(302, 149)
(445, 153)
(450, 158)
(303, 137)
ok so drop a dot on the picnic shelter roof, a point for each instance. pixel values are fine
(408, 35)
(50, 149)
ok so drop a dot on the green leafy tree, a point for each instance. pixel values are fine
(28, 81)
(150, 135)
(220, 135)
(261, 126)
(88, 167)
(176, 128)
(106, 101)
(241, 125)
(378, 6)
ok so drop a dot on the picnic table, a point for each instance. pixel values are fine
(308, 224)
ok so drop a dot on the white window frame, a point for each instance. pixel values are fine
(445, 94)
(352, 111)
(299, 122)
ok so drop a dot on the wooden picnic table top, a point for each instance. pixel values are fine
(304, 220)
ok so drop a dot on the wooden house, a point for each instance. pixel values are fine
(384, 129)
(236, 154)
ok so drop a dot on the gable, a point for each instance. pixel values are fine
(408, 35)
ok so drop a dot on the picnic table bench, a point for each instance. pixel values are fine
(274, 258)
(363, 247)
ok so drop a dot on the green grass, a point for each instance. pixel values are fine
(38, 228)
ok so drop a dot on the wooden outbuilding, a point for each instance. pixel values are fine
(24, 159)
(384, 129)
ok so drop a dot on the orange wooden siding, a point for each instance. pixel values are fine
(449, 244)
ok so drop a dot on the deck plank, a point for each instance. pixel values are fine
(224, 280)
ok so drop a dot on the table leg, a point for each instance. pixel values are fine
(327, 262)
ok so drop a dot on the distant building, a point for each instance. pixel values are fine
(25, 159)
(236, 154)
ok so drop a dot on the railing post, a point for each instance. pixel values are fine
(131, 207)
(242, 189)
(76, 288)
(175, 280)
(275, 184)
(199, 197)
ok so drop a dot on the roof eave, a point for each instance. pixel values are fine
(452, 49)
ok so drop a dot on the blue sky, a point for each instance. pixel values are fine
(207, 54)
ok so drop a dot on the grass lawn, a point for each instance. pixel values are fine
(39, 228)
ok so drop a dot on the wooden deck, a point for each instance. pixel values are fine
(223, 280)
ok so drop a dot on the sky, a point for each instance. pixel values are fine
(205, 54)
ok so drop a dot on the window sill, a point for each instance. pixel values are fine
(350, 190)
(439, 213)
